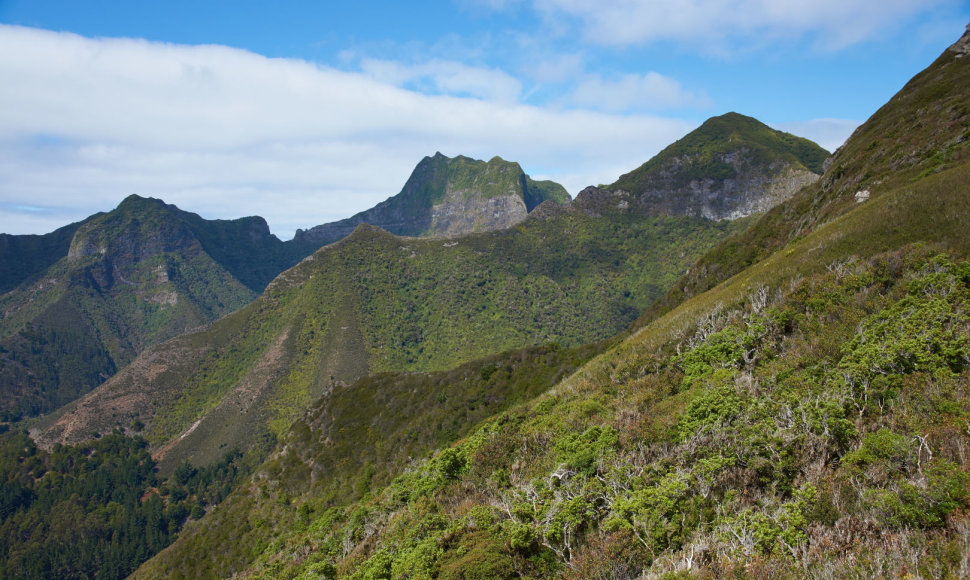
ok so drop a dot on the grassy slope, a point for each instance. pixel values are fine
(374, 302)
(922, 130)
(705, 435)
(774, 425)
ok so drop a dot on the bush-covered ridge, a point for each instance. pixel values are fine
(792, 434)
(700, 153)
(390, 304)
(921, 132)
(450, 196)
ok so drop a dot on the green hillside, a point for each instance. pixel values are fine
(801, 413)
(703, 148)
(132, 277)
(27, 256)
(374, 303)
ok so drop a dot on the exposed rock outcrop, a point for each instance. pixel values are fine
(730, 167)
(449, 196)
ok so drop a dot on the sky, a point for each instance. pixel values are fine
(306, 112)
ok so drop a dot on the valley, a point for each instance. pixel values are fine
(746, 357)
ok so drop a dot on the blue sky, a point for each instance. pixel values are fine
(307, 112)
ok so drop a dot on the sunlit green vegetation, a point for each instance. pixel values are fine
(701, 153)
(789, 433)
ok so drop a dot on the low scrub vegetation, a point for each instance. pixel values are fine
(816, 429)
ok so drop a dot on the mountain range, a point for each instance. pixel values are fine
(450, 196)
(122, 280)
(794, 406)
(89, 297)
(480, 377)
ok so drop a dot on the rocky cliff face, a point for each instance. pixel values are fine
(449, 196)
(751, 189)
(730, 167)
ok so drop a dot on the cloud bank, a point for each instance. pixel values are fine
(225, 132)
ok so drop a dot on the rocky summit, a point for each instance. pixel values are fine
(731, 166)
(449, 196)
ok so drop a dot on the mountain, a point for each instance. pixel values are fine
(731, 166)
(450, 196)
(921, 131)
(87, 302)
(801, 412)
(137, 275)
(24, 257)
(374, 302)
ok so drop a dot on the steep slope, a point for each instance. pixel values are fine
(132, 277)
(731, 166)
(374, 302)
(372, 429)
(804, 418)
(922, 130)
(25, 257)
(448, 196)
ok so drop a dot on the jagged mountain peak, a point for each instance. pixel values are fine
(450, 196)
(125, 279)
(696, 410)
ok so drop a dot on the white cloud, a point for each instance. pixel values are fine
(446, 77)
(226, 133)
(557, 68)
(650, 91)
(832, 24)
(829, 133)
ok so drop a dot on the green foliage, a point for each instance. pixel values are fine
(714, 410)
(761, 460)
(927, 331)
(579, 452)
(829, 441)
(702, 152)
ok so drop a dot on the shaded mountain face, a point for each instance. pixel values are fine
(24, 257)
(140, 274)
(804, 415)
(731, 166)
(450, 196)
(374, 302)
